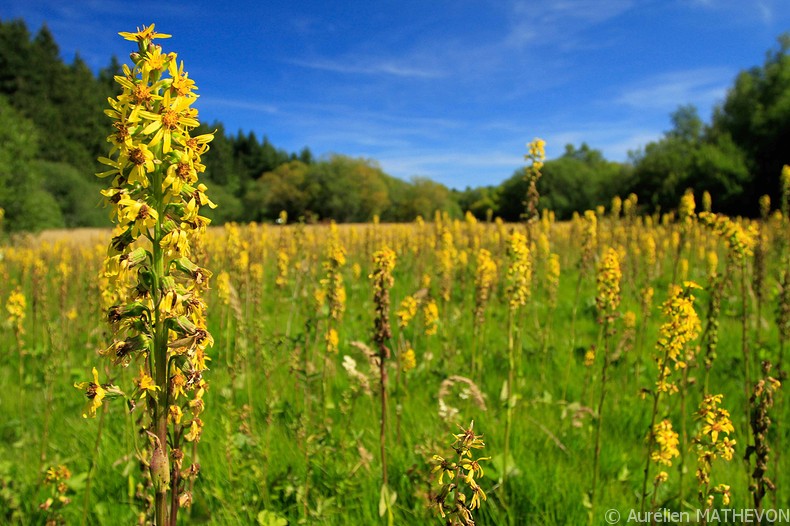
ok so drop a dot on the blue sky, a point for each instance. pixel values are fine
(451, 90)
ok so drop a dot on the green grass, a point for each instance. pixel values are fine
(268, 458)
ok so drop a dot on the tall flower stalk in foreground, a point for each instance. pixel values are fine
(461, 495)
(383, 265)
(607, 301)
(709, 445)
(485, 278)
(158, 318)
(681, 326)
(518, 290)
(536, 157)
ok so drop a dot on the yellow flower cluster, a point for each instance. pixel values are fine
(95, 394)
(715, 420)
(408, 360)
(617, 206)
(682, 325)
(765, 206)
(519, 272)
(407, 311)
(457, 500)
(629, 205)
(740, 241)
(629, 320)
(608, 281)
(589, 239)
(430, 312)
(536, 154)
(332, 340)
(57, 480)
(16, 306)
(485, 276)
(686, 208)
(446, 256)
(383, 265)
(667, 441)
(332, 283)
(589, 356)
(553, 278)
(712, 261)
(159, 322)
(282, 268)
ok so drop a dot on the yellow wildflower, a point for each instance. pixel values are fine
(519, 272)
(430, 312)
(95, 394)
(145, 384)
(408, 360)
(407, 311)
(332, 341)
(667, 441)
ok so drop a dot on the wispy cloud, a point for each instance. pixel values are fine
(240, 104)
(454, 168)
(370, 66)
(668, 90)
(737, 10)
(549, 22)
(766, 12)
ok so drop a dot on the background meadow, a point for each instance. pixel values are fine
(291, 430)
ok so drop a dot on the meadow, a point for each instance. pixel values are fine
(546, 335)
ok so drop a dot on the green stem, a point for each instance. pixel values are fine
(159, 405)
(573, 335)
(597, 455)
(508, 405)
(87, 499)
(650, 437)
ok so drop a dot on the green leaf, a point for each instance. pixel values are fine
(586, 502)
(78, 481)
(624, 474)
(503, 396)
(268, 518)
(497, 465)
(387, 500)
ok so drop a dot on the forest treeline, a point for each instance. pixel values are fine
(52, 129)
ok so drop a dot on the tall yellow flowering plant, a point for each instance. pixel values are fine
(158, 317)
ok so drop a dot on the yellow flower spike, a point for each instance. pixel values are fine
(16, 307)
(519, 272)
(430, 312)
(667, 440)
(407, 311)
(408, 360)
(332, 341)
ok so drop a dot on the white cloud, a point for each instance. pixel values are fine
(240, 104)
(560, 20)
(665, 91)
(370, 66)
